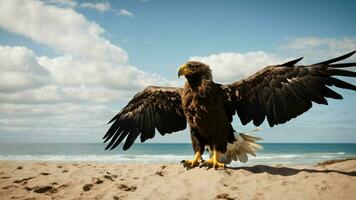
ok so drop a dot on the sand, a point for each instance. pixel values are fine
(74, 180)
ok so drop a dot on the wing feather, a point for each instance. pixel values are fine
(282, 92)
(154, 108)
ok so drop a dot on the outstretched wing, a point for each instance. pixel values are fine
(154, 108)
(283, 92)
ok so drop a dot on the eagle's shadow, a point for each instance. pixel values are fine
(286, 171)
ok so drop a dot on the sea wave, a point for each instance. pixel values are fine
(302, 155)
(170, 158)
(98, 158)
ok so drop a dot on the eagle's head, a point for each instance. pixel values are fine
(195, 71)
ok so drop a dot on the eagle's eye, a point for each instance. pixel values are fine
(193, 67)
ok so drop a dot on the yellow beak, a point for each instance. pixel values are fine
(183, 70)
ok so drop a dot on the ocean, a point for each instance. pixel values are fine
(172, 153)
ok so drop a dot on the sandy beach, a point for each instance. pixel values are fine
(74, 180)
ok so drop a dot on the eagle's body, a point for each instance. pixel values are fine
(277, 93)
(199, 101)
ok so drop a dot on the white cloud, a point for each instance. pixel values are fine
(20, 70)
(28, 79)
(124, 12)
(70, 72)
(315, 49)
(227, 67)
(52, 94)
(88, 58)
(345, 43)
(58, 94)
(63, 3)
(63, 29)
(103, 6)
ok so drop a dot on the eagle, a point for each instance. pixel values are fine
(277, 93)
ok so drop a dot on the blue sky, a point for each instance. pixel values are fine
(70, 65)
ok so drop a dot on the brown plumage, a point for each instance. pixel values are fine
(278, 93)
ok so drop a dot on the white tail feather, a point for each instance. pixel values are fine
(244, 144)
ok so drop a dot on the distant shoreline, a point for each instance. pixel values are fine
(171, 153)
(139, 143)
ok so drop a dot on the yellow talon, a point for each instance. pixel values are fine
(192, 163)
(214, 161)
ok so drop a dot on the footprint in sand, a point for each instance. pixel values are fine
(9, 186)
(28, 188)
(99, 181)
(19, 167)
(127, 188)
(159, 173)
(45, 173)
(23, 180)
(44, 189)
(110, 176)
(87, 187)
(65, 171)
(224, 196)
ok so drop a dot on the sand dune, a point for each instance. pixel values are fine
(51, 180)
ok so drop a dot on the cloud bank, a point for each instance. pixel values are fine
(89, 71)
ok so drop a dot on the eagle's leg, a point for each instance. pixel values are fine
(213, 161)
(194, 162)
(198, 147)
